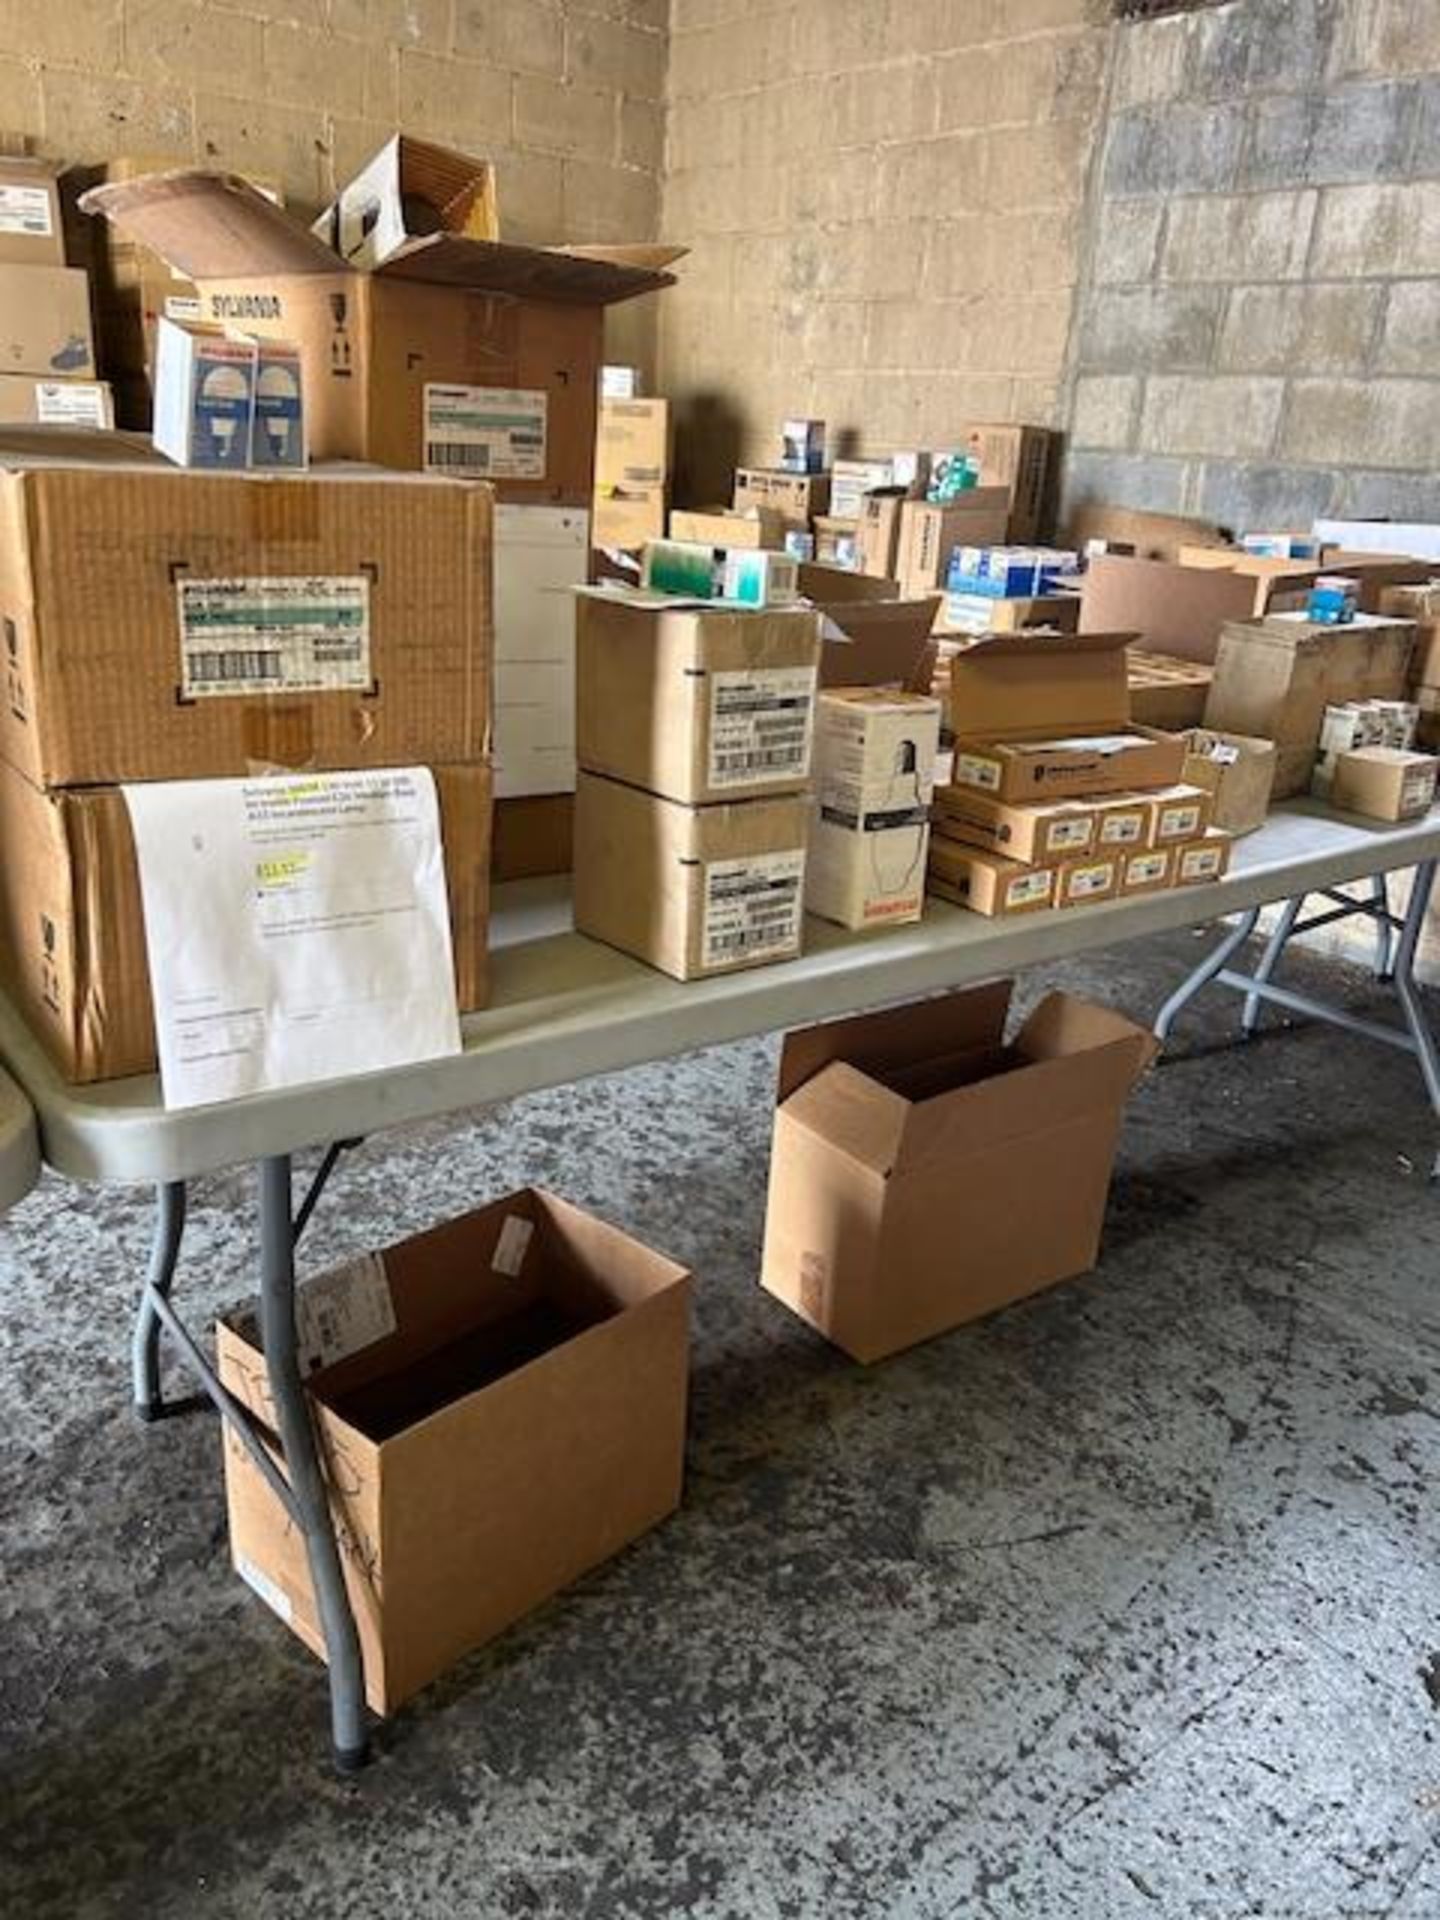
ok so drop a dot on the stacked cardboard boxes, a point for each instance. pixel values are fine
(1421, 603)
(47, 350)
(694, 735)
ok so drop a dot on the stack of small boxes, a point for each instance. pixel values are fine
(46, 347)
(1367, 762)
(632, 464)
(1422, 605)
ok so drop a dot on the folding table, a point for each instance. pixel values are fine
(564, 1008)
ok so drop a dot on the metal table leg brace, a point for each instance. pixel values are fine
(301, 1486)
(1396, 938)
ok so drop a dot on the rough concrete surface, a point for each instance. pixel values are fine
(1123, 1602)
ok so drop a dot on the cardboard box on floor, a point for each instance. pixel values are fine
(929, 533)
(906, 1154)
(72, 933)
(690, 890)
(1017, 459)
(1179, 610)
(693, 703)
(1149, 536)
(1274, 679)
(1047, 716)
(469, 357)
(522, 1422)
(1238, 772)
(167, 625)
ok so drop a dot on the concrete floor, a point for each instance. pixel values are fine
(1125, 1602)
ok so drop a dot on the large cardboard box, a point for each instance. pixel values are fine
(1274, 679)
(690, 890)
(468, 357)
(32, 232)
(929, 534)
(1047, 716)
(695, 704)
(1179, 610)
(1238, 772)
(162, 625)
(875, 750)
(45, 322)
(1018, 459)
(633, 446)
(876, 643)
(72, 932)
(523, 1419)
(1149, 536)
(909, 1149)
(27, 398)
(796, 497)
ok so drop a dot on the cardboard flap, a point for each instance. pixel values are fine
(879, 643)
(1023, 682)
(852, 1113)
(211, 226)
(828, 587)
(522, 273)
(652, 258)
(1063, 1026)
(956, 1023)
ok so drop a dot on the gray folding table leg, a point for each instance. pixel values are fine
(302, 1463)
(1214, 962)
(1413, 925)
(1274, 947)
(164, 1258)
(1384, 928)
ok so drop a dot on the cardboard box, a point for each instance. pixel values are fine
(407, 191)
(1151, 870)
(977, 613)
(1035, 833)
(796, 497)
(1203, 860)
(852, 480)
(1123, 822)
(836, 541)
(720, 527)
(32, 232)
(1016, 458)
(534, 835)
(908, 1151)
(626, 517)
(1422, 605)
(204, 396)
(541, 555)
(1274, 679)
(877, 539)
(695, 704)
(25, 397)
(1047, 716)
(1149, 536)
(1166, 693)
(473, 358)
(875, 754)
(929, 533)
(1178, 813)
(633, 448)
(1089, 880)
(1384, 783)
(874, 643)
(1179, 610)
(986, 882)
(690, 890)
(162, 625)
(1238, 772)
(523, 1419)
(45, 322)
(72, 933)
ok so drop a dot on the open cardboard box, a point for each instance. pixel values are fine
(877, 643)
(1040, 716)
(523, 1420)
(909, 1149)
(1179, 609)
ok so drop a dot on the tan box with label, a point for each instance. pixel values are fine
(32, 232)
(627, 517)
(929, 534)
(168, 625)
(29, 399)
(518, 1417)
(1151, 870)
(1177, 813)
(1203, 860)
(72, 934)
(1085, 882)
(875, 751)
(877, 539)
(796, 497)
(690, 890)
(632, 449)
(1032, 833)
(1384, 783)
(695, 704)
(759, 527)
(986, 882)
(45, 322)
(906, 1154)
(1238, 772)
(1123, 822)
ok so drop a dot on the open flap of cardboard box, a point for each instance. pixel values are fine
(410, 188)
(1024, 682)
(216, 226)
(878, 643)
(955, 1023)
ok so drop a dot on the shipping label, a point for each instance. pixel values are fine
(485, 433)
(1200, 863)
(1146, 869)
(1083, 883)
(1026, 888)
(752, 907)
(1121, 829)
(1062, 834)
(339, 1312)
(761, 725)
(70, 403)
(26, 210)
(184, 307)
(1178, 823)
(279, 634)
(977, 770)
(512, 1246)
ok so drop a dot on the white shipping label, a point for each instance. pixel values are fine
(1083, 882)
(752, 907)
(300, 634)
(339, 1312)
(183, 306)
(1200, 863)
(26, 210)
(1121, 829)
(70, 403)
(274, 1595)
(761, 725)
(974, 770)
(1146, 870)
(510, 1249)
(1027, 888)
(485, 433)
(1417, 790)
(1178, 823)
(1222, 753)
(1067, 833)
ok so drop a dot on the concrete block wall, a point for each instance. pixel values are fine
(883, 199)
(1257, 335)
(567, 96)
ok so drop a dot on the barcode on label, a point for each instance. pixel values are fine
(761, 724)
(442, 453)
(752, 907)
(235, 666)
(1119, 829)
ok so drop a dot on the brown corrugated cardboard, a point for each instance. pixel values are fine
(407, 191)
(25, 397)
(690, 890)
(1040, 715)
(45, 322)
(929, 533)
(1151, 870)
(796, 497)
(1178, 813)
(151, 633)
(1085, 882)
(72, 935)
(1384, 783)
(1165, 692)
(877, 537)
(1035, 833)
(524, 1419)
(1016, 458)
(632, 448)
(965, 613)
(909, 1147)
(986, 882)
(1179, 610)
(695, 704)
(626, 517)
(1151, 536)
(1422, 605)
(32, 232)
(836, 543)
(877, 643)
(875, 750)
(1202, 860)
(1237, 770)
(465, 356)
(1275, 678)
(534, 835)
(722, 527)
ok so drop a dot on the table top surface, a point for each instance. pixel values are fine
(563, 1007)
(19, 1144)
